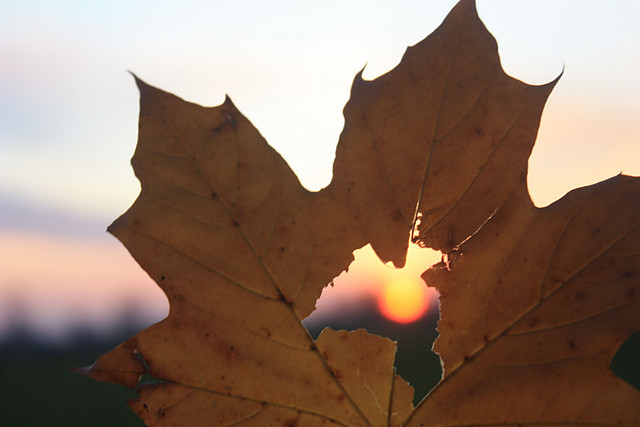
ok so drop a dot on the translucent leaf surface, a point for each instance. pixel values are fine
(534, 302)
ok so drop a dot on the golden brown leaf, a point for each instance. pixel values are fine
(529, 327)
(534, 302)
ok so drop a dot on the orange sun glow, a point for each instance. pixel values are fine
(404, 300)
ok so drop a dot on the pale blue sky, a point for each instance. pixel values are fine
(68, 108)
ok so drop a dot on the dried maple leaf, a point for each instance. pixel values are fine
(534, 302)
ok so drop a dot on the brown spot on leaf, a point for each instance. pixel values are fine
(266, 331)
(631, 293)
(229, 352)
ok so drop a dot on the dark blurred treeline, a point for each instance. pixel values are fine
(39, 389)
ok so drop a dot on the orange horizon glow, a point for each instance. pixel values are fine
(55, 282)
(400, 294)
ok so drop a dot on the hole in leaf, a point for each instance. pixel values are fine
(147, 379)
(626, 362)
(390, 302)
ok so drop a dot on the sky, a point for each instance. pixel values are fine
(68, 114)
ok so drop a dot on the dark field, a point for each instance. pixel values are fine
(38, 389)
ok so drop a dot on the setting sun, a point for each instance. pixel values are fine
(399, 294)
(404, 300)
